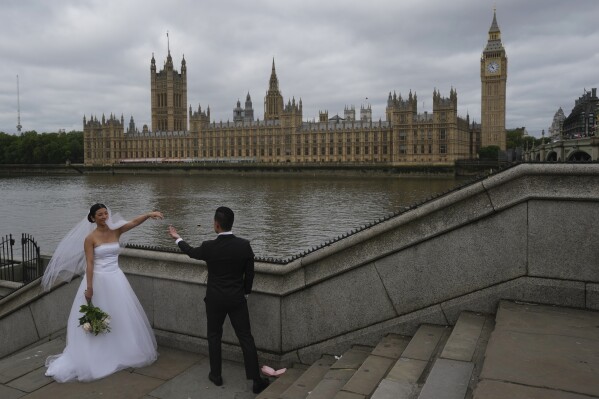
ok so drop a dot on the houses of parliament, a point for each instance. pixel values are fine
(405, 137)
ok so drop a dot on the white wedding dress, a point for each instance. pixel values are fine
(131, 341)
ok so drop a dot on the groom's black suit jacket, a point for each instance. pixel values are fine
(230, 261)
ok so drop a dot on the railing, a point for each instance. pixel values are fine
(31, 265)
(31, 260)
(7, 271)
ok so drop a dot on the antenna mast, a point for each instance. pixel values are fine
(18, 108)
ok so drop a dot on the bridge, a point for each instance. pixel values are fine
(581, 149)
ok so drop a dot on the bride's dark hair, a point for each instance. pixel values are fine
(92, 212)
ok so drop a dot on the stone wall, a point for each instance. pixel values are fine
(528, 234)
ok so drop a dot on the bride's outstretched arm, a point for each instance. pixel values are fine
(140, 219)
(89, 270)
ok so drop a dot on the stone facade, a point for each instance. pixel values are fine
(582, 121)
(405, 137)
(556, 129)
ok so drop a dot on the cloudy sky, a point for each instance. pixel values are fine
(83, 57)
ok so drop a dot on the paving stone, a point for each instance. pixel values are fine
(281, 384)
(488, 389)
(121, 385)
(10, 393)
(390, 389)
(332, 383)
(170, 363)
(26, 361)
(193, 383)
(341, 372)
(551, 361)
(351, 359)
(424, 342)
(348, 395)
(31, 381)
(309, 379)
(363, 348)
(448, 379)
(407, 370)
(368, 376)
(464, 337)
(391, 346)
(545, 319)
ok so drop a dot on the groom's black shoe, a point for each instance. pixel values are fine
(216, 380)
(260, 385)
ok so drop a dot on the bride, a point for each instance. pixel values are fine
(131, 341)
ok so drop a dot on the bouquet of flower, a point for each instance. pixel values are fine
(94, 319)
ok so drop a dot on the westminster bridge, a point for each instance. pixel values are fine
(581, 149)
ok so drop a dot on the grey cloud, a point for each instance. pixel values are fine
(80, 57)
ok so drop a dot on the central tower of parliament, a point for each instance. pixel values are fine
(404, 138)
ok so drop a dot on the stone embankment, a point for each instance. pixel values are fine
(441, 170)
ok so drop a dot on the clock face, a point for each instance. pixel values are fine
(493, 67)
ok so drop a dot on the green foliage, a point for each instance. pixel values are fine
(491, 152)
(515, 138)
(45, 148)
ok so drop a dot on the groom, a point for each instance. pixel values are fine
(230, 263)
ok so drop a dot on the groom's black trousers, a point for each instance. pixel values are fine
(216, 312)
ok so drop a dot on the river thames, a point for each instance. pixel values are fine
(281, 215)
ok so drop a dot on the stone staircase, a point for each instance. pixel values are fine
(525, 351)
(437, 362)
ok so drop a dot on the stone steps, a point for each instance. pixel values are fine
(437, 362)
(452, 373)
(410, 371)
(308, 380)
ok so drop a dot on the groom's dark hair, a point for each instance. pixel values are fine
(224, 217)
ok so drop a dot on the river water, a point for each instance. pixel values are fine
(281, 215)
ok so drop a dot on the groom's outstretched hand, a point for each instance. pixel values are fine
(173, 232)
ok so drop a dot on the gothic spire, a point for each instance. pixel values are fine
(274, 81)
(494, 40)
(494, 26)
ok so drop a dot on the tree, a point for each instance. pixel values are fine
(45, 148)
(489, 153)
(516, 138)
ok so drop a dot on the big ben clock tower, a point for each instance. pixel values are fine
(493, 76)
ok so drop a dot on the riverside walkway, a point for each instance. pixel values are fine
(176, 374)
(534, 351)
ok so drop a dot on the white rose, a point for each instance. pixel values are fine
(107, 320)
(87, 327)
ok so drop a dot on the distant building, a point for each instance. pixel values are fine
(557, 126)
(405, 137)
(582, 121)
